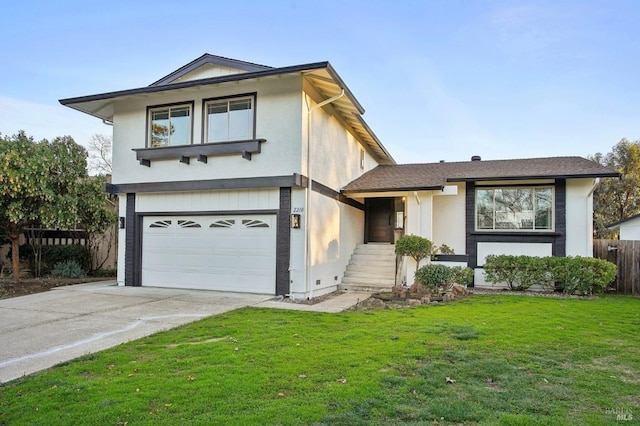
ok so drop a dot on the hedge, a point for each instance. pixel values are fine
(573, 275)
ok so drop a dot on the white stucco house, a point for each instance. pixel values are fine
(243, 177)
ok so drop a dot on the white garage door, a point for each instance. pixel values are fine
(229, 253)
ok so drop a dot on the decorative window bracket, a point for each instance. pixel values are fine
(201, 151)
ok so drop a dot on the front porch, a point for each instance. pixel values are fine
(437, 215)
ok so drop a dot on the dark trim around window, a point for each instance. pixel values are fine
(253, 95)
(191, 105)
(557, 238)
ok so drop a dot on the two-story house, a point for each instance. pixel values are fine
(243, 177)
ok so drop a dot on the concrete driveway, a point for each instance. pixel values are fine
(41, 330)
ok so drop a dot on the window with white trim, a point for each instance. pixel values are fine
(170, 126)
(229, 119)
(514, 208)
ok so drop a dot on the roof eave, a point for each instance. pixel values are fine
(400, 189)
(194, 83)
(527, 177)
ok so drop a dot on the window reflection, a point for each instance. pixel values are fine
(523, 208)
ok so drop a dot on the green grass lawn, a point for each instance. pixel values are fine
(511, 360)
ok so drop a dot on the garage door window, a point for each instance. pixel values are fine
(160, 224)
(188, 224)
(249, 223)
(225, 223)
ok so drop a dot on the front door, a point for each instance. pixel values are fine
(379, 220)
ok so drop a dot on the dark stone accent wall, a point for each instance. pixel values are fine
(470, 211)
(130, 259)
(560, 244)
(557, 238)
(283, 243)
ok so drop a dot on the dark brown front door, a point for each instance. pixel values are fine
(379, 220)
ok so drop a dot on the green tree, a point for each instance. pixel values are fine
(45, 184)
(617, 199)
(96, 213)
(414, 246)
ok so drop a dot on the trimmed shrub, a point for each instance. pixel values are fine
(68, 269)
(438, 276)
(462, 275)
(581, 275)
(434, 276)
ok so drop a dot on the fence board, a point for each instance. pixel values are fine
(626, 255)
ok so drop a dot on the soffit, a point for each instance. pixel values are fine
(328, 84)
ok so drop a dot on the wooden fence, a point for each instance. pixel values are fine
(626, 255)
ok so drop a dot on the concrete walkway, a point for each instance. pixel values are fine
(331, 305)
(44, 329)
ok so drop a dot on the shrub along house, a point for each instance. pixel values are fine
(243, 177)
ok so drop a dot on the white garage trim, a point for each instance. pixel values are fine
(226, 252)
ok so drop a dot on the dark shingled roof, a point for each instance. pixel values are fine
(404, 177)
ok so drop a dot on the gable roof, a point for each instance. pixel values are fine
(411, 177)
(212, 60)
(620, 222)
(321, 75)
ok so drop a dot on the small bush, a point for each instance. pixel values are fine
(434, 276)
(462, 276)
(52, 255)
(68, 269)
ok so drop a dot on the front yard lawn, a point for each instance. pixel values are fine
(497, 360)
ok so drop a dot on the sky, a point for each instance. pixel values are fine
(439, 79)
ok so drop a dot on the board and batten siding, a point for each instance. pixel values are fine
(209, 201)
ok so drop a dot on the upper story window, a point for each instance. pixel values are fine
(170, 126)
(514, 208)
(229, 119)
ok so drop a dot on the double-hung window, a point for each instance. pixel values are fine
(170, 126)
(230, 119)
(514, 208)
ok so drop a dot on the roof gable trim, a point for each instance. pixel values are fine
(213, 60)
(194, 83)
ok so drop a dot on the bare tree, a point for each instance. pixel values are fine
(100, 154)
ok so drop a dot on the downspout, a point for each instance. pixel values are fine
(307, 194)
(590, 216)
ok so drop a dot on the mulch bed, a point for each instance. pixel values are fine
(9, 288)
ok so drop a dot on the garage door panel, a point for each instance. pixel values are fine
(234, 252)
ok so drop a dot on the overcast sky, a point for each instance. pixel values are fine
(440, 80)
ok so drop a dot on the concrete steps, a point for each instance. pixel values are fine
(372, 268)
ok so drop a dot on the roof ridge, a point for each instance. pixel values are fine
(486, 161)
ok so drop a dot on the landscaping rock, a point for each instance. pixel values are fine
(413, 302)
(459, 290)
